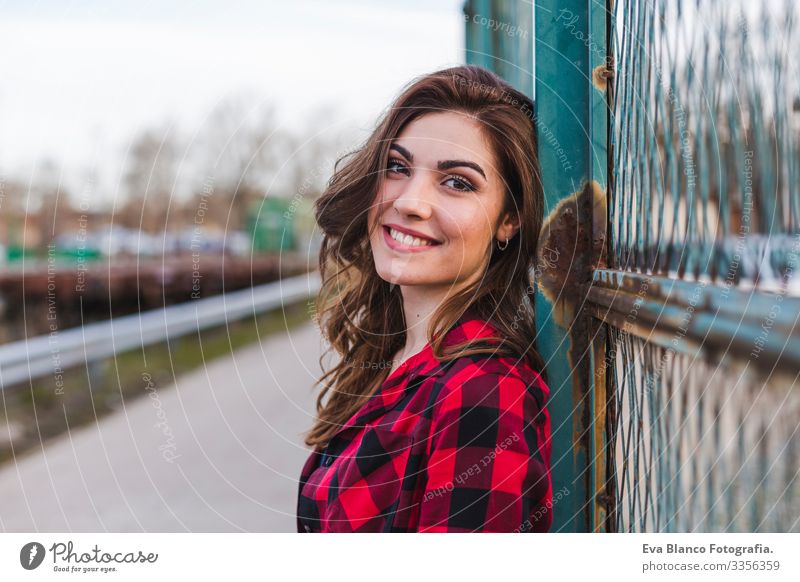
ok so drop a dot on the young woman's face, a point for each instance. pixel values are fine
(438, 210)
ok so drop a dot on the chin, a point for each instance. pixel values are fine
(396, 279)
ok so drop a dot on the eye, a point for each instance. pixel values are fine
(461, 184)
(395, 166)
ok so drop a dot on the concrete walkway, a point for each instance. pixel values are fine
(221, 450)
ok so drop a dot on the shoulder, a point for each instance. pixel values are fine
(499, 380)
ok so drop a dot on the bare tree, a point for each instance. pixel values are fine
(150, 177)
(238, 152)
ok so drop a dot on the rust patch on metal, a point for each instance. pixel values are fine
(571, 245)
(600, 76)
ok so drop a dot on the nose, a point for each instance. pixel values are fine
(413, 200)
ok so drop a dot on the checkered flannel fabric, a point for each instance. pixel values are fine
(462, 446)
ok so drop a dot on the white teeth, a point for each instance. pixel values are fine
(407, 239)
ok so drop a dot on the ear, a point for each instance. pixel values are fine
(509, 225)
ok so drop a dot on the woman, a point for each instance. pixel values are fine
(435, 418)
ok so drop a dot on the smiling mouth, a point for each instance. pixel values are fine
(408, 240)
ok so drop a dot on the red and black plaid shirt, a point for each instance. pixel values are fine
(462, 446)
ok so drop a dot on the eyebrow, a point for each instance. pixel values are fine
(442, 165)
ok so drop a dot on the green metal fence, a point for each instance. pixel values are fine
(669, 140)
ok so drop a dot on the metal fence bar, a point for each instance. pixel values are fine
(42, 355)
(699, 318)
(499, 36)
(571, 121)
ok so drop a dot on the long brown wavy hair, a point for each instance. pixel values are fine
(360, 315)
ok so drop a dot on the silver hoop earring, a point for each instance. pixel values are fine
(503, 247)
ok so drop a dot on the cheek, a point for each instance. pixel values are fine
(470, 226)
(380, 204)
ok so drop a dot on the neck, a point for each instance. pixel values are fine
(419, 306)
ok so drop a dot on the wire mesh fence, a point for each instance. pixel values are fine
(704, 239)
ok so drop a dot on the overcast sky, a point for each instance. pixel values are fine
(78, 79)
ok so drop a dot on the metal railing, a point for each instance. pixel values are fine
(42, 355)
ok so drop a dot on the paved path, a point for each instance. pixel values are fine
(221, 450)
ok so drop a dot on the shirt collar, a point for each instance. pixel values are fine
(419, 366)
